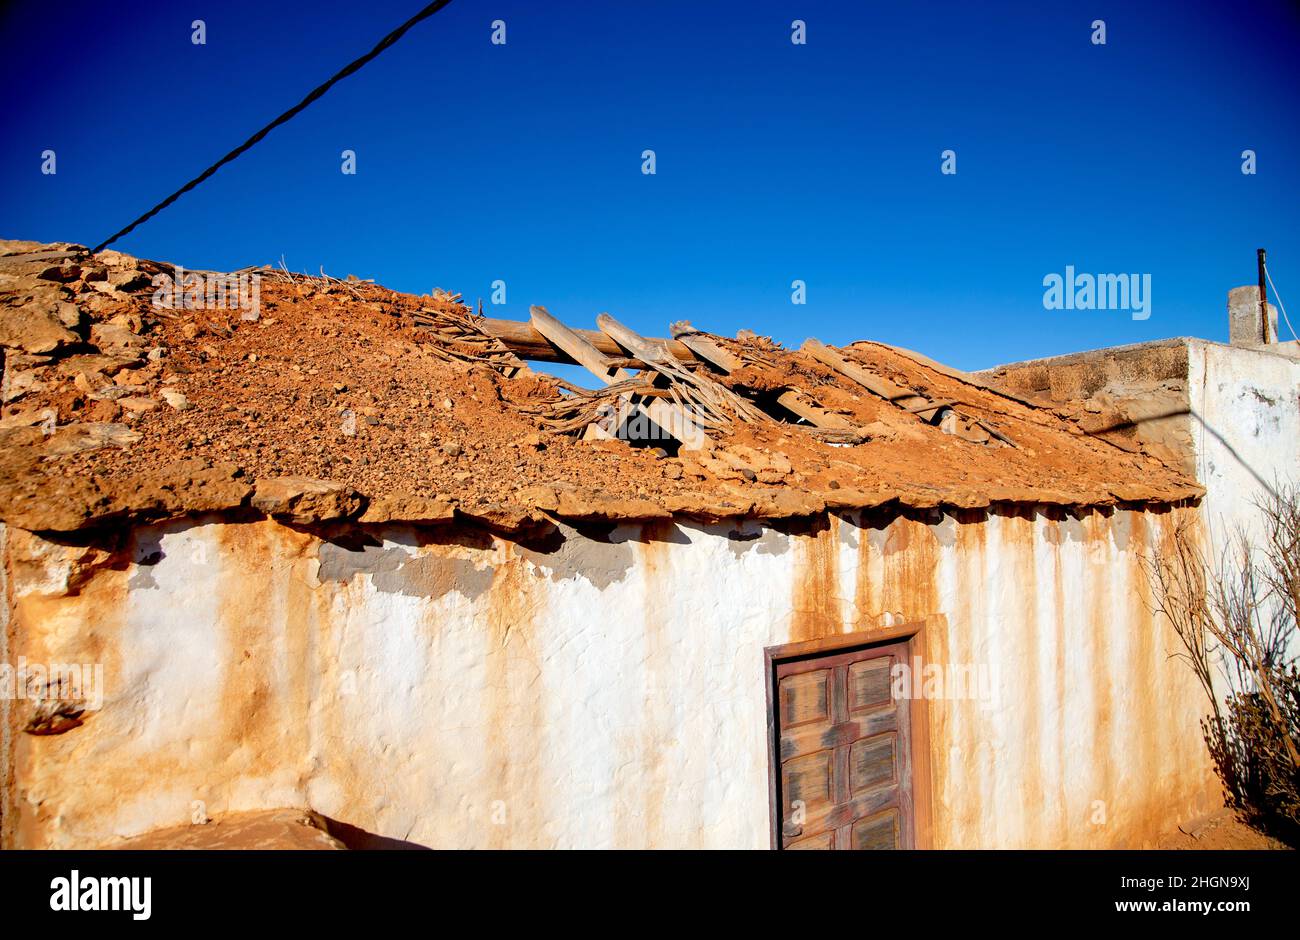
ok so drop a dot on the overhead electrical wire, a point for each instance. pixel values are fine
(314, 95)
(1280, 305)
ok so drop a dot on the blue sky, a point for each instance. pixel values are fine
(775, 162)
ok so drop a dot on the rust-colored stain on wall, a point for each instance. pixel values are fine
(465, 715)
(815, 606)
(514, 798)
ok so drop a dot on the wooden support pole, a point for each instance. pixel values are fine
(1263, 293)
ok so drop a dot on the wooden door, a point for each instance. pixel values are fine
(844, 768)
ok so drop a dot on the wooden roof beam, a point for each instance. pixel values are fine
(527, 342)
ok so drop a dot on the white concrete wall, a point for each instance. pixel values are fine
(1246, 427)
(454, 689)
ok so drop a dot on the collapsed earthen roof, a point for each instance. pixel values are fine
(347, 400)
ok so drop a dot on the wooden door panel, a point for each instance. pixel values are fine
(807, 780)
(805, 697)
(869, 685)
(876, 832)
(842, 744)
(824, 840)
(872, 762)
(818, 737)
(839, 815)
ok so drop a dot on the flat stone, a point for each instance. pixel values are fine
(176, 399)
(303, 500)
(114, 335)
(23, 383)
(61, 272)
(68, 313)
(12, 437)
(400, 507)
(34, 328)
(111, 393)
(90, 381)
(106, 364)
(14, 246)
(28, 419)
(76, 438)
(137, 404)
(129, 280)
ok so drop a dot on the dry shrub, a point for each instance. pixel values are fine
(1236, 619)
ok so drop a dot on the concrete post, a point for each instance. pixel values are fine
(1245, 326)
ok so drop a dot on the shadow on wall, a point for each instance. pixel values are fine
(355, 837)
(599, 551)
(1205, 426)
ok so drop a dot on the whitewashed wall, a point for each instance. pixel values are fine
(452, 689)
(1246, 428)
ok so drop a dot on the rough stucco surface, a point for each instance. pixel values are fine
(454, 689)
(1246, 427)
(6, 701)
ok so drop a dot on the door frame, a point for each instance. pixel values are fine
(918, 718)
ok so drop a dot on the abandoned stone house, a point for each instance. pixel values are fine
(348, 553)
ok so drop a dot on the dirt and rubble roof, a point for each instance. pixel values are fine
(345, 399)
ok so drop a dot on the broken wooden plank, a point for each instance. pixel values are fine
(577, 347)
(996, 433)
(641, 348)
(709, 351)
(594, 361)
(868, 380)
(793, 400)
(952, 373)
(712, 402)
(949, 420)
(668, 416)
(528, 343)
(930, 405)
(797, 402)
(904, 398)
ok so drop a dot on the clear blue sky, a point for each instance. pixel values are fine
(775, 161)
